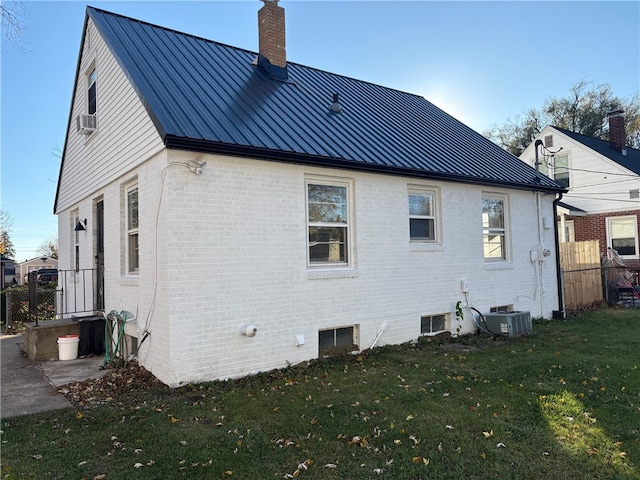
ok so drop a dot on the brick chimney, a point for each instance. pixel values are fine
(271, 38)
(616, 130)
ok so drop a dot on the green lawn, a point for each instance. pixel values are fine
(563, 403)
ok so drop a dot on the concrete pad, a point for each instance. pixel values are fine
(27, 387)
(62, 372)
(24, 388)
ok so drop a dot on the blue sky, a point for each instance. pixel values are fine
(482, 62)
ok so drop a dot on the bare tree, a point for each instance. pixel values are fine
(49, 248)
(13, 28)
(584, 110)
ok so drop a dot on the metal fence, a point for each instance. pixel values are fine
(20, 305)
(75, 292)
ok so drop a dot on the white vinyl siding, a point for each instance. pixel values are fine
(126, 138)
(597, 184)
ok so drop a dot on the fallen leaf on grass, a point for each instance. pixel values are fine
(488, 434)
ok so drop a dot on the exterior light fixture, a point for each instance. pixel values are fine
(81, 226)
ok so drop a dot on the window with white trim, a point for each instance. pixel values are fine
(336, 340)
(422, 215)
(494, 231)
(131, 212)
(569, 231)
(92, 102)
(556, 168)
(622, 235)
(75, 219)
(328, 222)
(433, 323)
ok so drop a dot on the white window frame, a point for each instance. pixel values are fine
(346, 224)
(493, 231)
(551, 169)
(132, 255)
(610, 223)
(569, 231)
(334, 332)
(430, 318)
(91, 81)
(433, 215)
(75, 219)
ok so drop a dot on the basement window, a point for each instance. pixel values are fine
(501, 308)
(432, 324)
(337, 340)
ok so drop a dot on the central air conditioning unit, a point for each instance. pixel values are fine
(512, 324)
(86, 123)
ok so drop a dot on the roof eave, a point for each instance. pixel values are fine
(206, 146)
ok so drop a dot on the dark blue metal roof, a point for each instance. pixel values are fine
(210, 97)
(630, 161)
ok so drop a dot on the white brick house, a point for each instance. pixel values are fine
(603, 182)
(253, 199)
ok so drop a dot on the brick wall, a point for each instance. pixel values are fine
(594, 227)
(228, 248)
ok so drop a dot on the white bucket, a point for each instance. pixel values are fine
(68, 347)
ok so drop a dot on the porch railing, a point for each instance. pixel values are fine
(79, 291)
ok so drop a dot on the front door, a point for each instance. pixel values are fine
(100, 254)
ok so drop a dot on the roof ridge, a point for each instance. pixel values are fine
(245, 50)
(604, 142)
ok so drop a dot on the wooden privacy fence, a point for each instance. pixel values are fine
(581, 273)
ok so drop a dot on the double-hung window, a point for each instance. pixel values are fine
(622, 235)
(133, 262)
(557, 168)
(91, 92)
(328, 223)
(494, 230)
(422, 216)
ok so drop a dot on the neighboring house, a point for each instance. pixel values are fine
(23, 269)
(7, 272)
(254, 213)
(603, 181)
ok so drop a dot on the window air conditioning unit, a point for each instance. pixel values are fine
(512, 324)
(86, 123)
